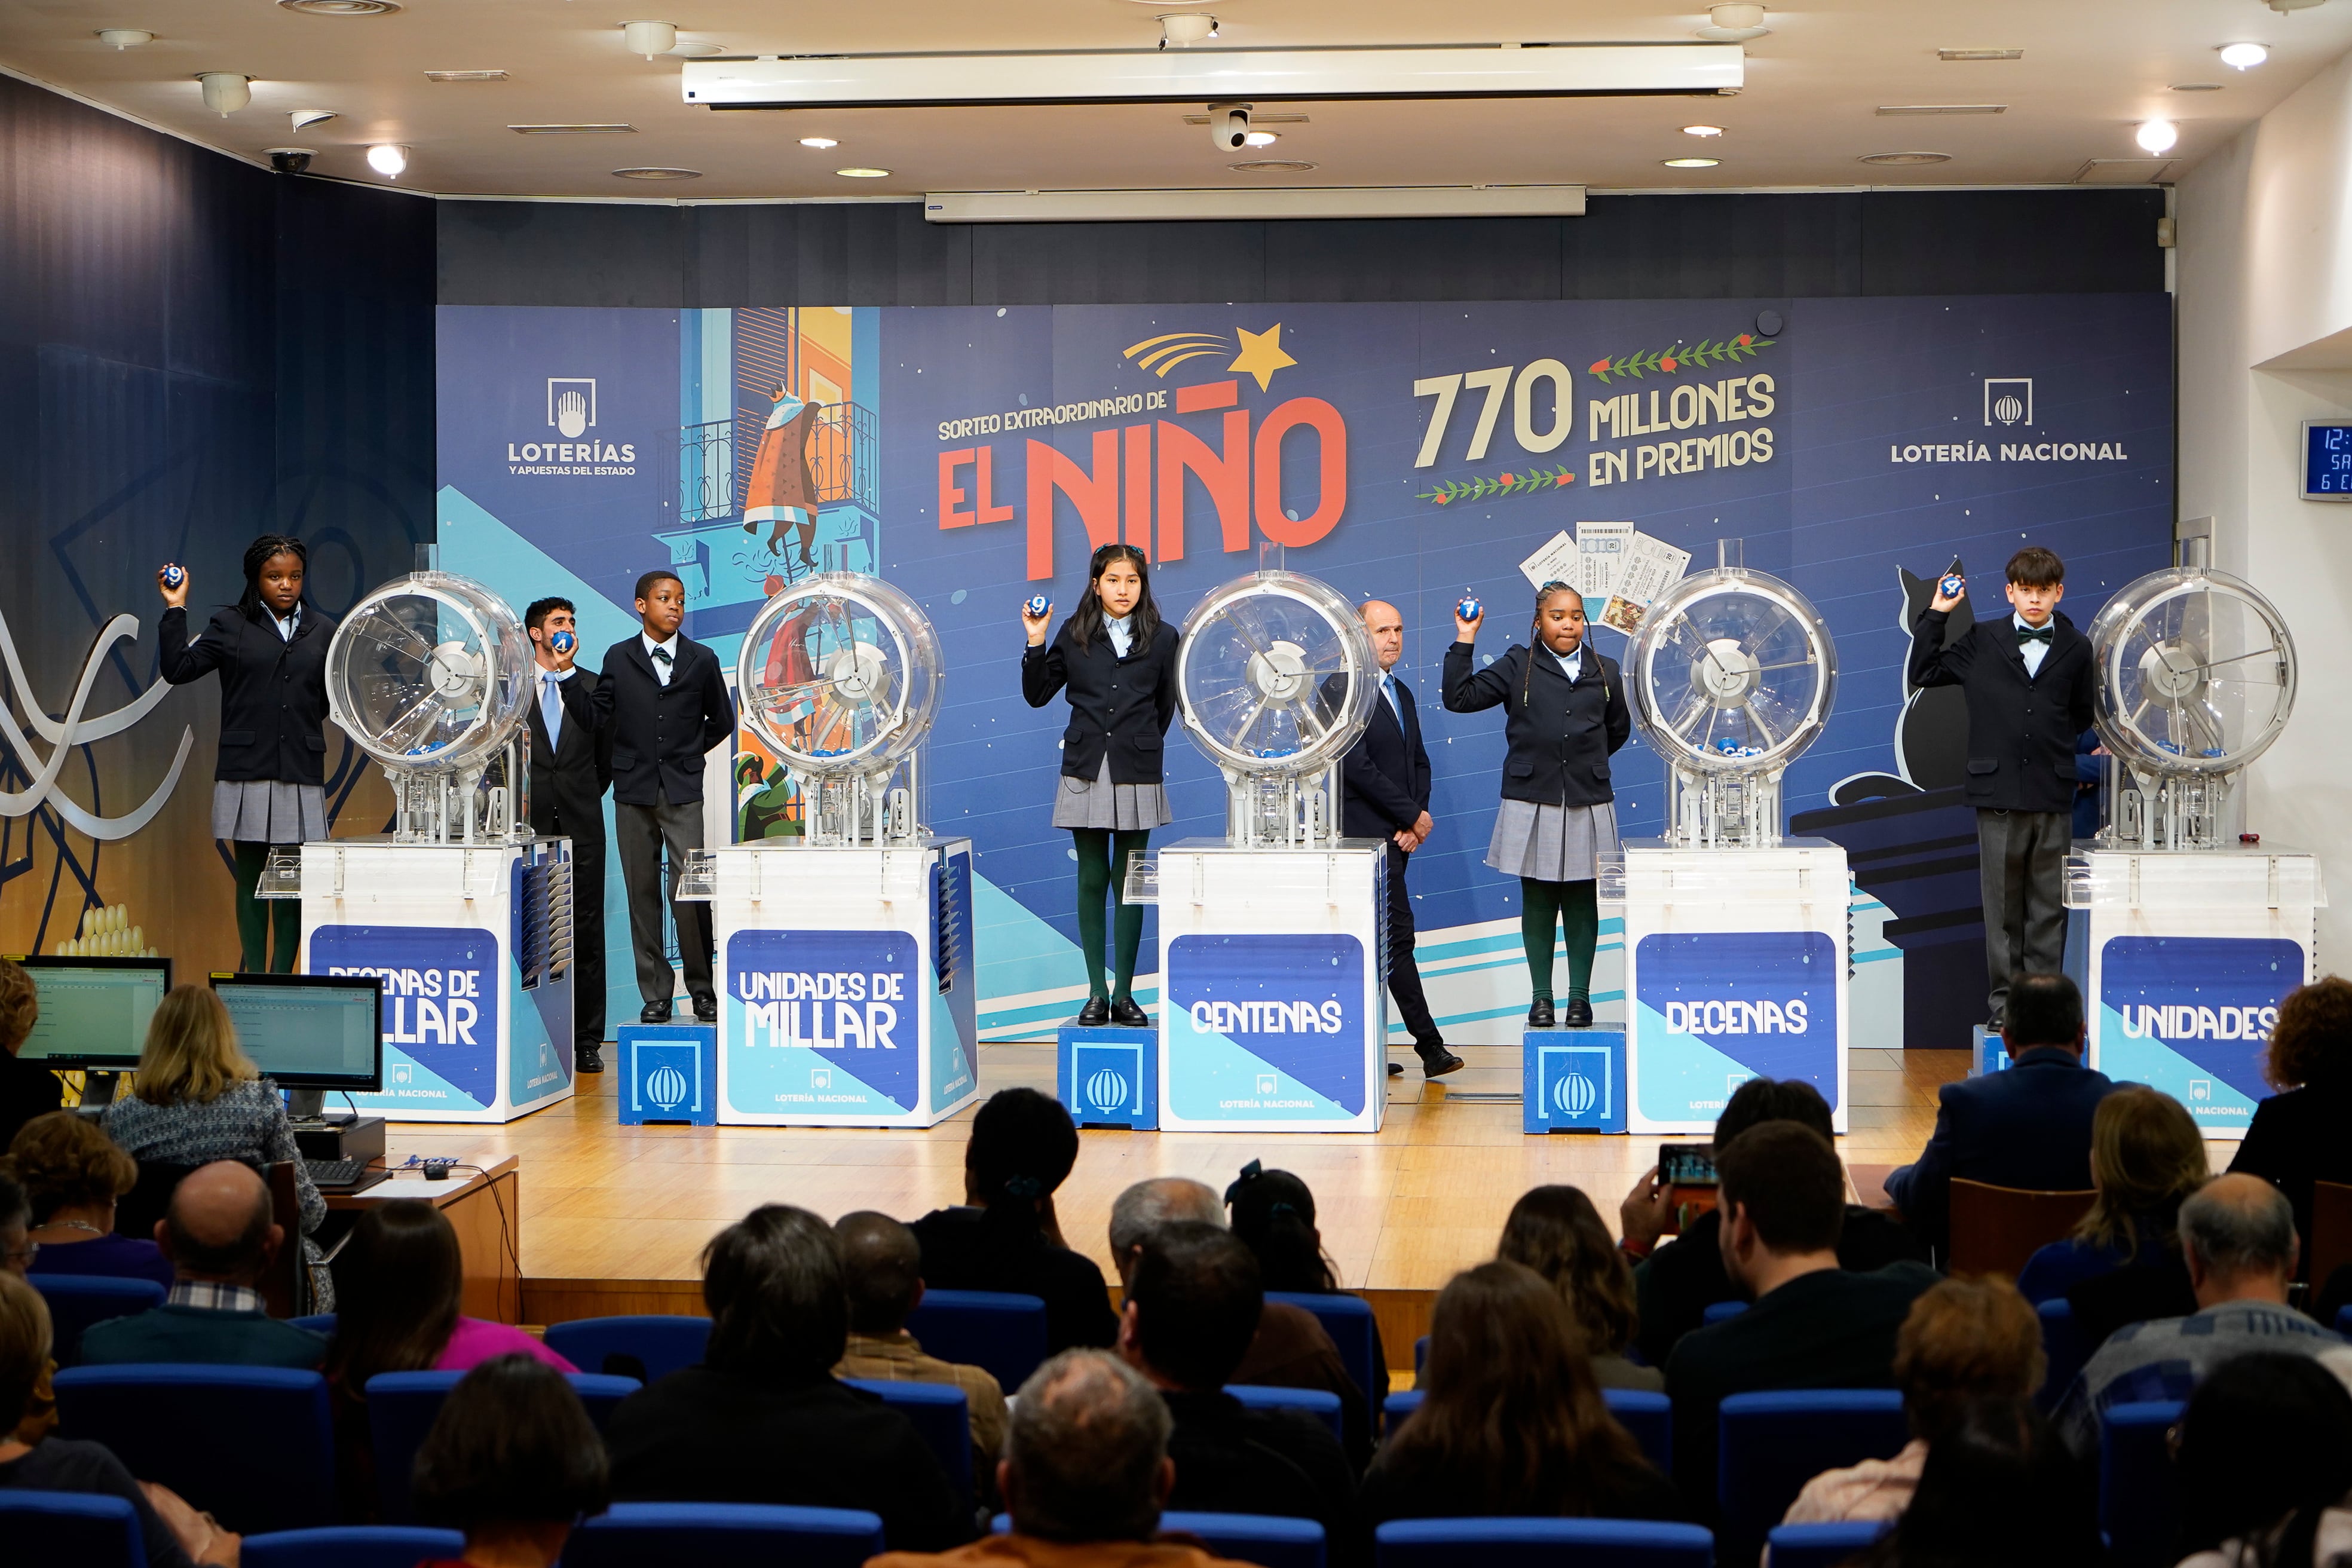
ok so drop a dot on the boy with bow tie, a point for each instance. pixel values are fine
(2028, 680)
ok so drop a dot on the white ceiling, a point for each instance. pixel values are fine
(2091, 71)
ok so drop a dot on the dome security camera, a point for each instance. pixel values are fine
(1229, 125)
(290, 160)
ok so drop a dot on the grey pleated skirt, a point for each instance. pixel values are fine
(1551, 843)
(1121, 808)
(268, 810)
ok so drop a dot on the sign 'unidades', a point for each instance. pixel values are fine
(2192, 1016)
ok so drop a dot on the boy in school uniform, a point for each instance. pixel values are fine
(666, 703)
(2028, 680)
(571, 769)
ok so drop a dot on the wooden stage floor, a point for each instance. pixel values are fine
(613, 1218)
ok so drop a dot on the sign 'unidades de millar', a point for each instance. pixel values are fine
(824, 1021)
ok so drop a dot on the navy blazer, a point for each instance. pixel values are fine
(273, 690)
(1385, 775)
(1562, 735)
(1118, 707)
(2028, 1127)
(2022, 728)
(568, 780)
(659, 734)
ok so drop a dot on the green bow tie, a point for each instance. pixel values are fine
(2034, 634)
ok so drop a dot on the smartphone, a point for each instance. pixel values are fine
(1686, 1165)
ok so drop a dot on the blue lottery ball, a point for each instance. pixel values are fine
(1036, 605)
(1469, 609)
(563, 642)
(174, 576)
(1952, 585)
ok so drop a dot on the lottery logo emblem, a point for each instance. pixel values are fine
(1574, 1094)
(1106, 1089)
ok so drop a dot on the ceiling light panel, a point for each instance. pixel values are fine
(1979, 54)
(466, 76)
(1280, 200)
(571, 130)
(1177, 75)
(1943, 109)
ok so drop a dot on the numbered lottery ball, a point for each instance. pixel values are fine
(174, 576)
(1469, 609)
(563, 642)
(1952, 586)
(1035, 606)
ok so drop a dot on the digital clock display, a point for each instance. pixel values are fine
(2327, 461)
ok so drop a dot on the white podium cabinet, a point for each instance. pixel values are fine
(1735, 968)
(473, 943)
(2185, 958)
(848, 985)
(1274, 986)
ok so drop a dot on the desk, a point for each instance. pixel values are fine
(485, 1208)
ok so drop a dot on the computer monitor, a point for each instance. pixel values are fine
(94, 1011)
(309, 1031)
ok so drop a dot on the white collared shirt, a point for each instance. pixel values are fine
(2034, 652)
(663, 668)
(1570, 664)
(1122, 633)
(289, 624)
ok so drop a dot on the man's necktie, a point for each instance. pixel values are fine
(551, 708)
(1388, 689)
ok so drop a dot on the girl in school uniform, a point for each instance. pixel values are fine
(268, 785)
(1565, 716)
(1116, 659)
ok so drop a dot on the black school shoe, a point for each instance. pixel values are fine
(1540, 1015)
(1396, 1069)
(588, 1055)
(1095, 1014)
(706, 1009)
(1579, 1013)
(654, 1011)
(1436, 1061)
(1127, 1013)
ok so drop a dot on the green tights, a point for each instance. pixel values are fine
(257, 917)
(1573, 905)
(1103, 856)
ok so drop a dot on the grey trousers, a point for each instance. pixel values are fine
(2021, 856)
(643, 833)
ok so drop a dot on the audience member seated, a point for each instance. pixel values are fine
(2238, 1235)
(1007, 1237)
(1999, 1491)
(512, 1460)
(1085, 1475)
(882, 1264)
(72, 1172)
(761, 1419)
(402, 1278)
(1291, 1348)
(174, 1534)
(1680, 1280)
(1192, 1305)
(2296, 1138)
(1557, 1232)
(17, 1247)
(1511, 1421)
(2027, 1127)
(221, 1240)
(2267, 1439)
(1814, 1324)
(2146, 1157)
(26, 1089)
(1964, 1339)
(1273, 1213)
(198, 1098)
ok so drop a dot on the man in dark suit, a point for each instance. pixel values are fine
(571, 769)
(2028, 680)
(1386, 778)
(2028, 1126)
(666, 704)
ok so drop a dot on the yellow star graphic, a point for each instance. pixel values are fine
(1261, 353)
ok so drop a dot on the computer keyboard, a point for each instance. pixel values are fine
(335, 1173)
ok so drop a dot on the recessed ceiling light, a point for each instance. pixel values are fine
(863, 173)
(466, 76)
(1261, 139)
(1272, 166)
(1702, 130)
(1691, 163)
(1979, 54)
(2156, 136)
(124, 37)
(1733, 23)
(1885, 159)
(1943, 109)
(340, 7)
(658, 174)
(2245, 57)
(385, 158)
(2196, 87)
(571, 130)
(819, 142)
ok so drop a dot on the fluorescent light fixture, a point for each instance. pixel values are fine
(1187, 76)
(1691, 163)
(2156, 136)
(863, 173)
(387, 159)
(1979, 54)
(1943, 109)
(819, 142)
(2245, 57)
(1282, 200)
(571, 130)
(466, 76)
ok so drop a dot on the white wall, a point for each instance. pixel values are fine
(2264, 280)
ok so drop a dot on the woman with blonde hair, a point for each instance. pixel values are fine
(1557, 1232)
(2146, 1155)
(198, 1097)
(2297, 1138)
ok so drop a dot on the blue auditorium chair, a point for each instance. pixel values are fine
(252, 1446)
(2343, 1320)
(89, 1529)
(1420, 1356)
(401, 1406)
(1541, 1543)
(940, 1415)
(1349, 1320)
(353, 1546)
(1824, 1545)
(653, 1346)
(1717, 1311)
(1256, 1538)
(724, 1535)
(1650, 1417)
(2138, 1508)
(999, 1331)
(317, 1322)
(77, 1300)
(1773, 1443)
(1320, 1402)
(2062, 1348)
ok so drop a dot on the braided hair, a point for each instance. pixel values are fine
(1534, 634)
(258, 554)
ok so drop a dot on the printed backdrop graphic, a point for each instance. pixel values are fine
(974, 455)
(2192, 1016)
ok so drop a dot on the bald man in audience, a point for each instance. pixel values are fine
(221, 1240)
(882, 1264)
